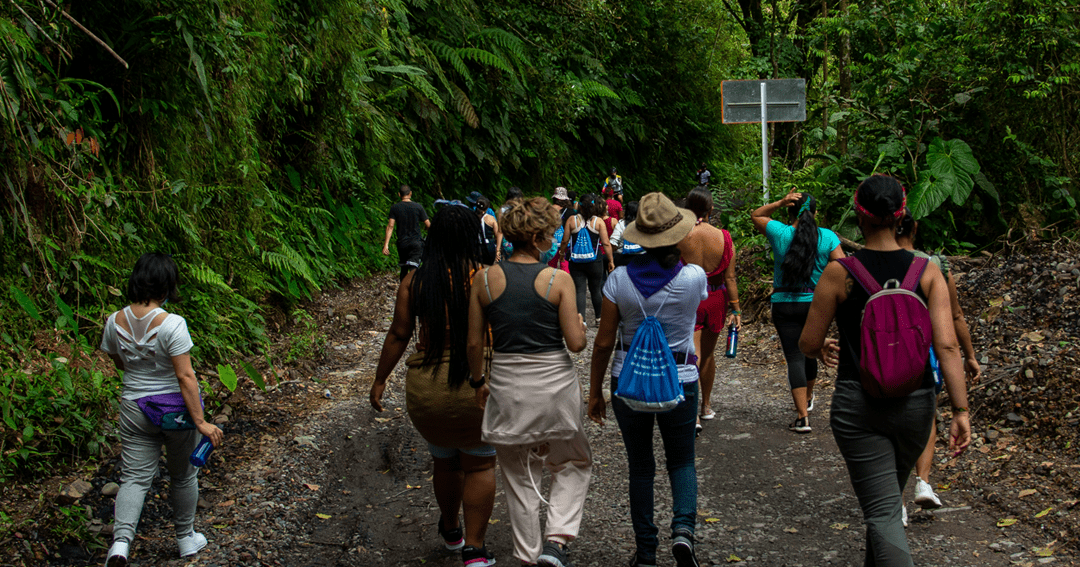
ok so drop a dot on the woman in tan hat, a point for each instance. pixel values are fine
(655, 284)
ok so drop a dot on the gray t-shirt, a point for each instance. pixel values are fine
(147, 354)
(679, 298)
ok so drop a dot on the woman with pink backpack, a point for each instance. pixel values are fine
(884, 398)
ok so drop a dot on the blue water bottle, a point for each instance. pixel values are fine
(202, 452)
(732, 341)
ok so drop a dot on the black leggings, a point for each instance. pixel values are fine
(789, 319)
(591, 273)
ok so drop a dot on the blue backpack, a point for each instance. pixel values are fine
(629, 248)
(556, 242)
(583, 250)
(649, 379)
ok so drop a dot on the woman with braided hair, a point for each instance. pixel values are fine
(440, 407)
(800, 252)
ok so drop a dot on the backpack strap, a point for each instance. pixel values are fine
(486, 286)
(861, 274)
(914, 273)
(551, 282)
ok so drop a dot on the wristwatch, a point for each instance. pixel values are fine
(479, 383)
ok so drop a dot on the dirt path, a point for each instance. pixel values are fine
(311, 476)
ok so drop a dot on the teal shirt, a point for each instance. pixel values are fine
(780, 236)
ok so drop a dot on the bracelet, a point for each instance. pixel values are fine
(479, 383)
(959, 409)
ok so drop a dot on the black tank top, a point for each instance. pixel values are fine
(883, 266)
(522, 321)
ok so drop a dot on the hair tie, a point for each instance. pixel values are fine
(805, 207)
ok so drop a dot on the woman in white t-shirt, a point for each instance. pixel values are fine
(159, 405)
(655, 284)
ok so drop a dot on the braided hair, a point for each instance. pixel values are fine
(440, 287)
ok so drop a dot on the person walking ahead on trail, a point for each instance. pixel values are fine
(586, 270)
(160, 405)
(407, 215)
(530, 309)
(905, 237)
(881, 437)
(491, 237)
(712, 249)
(441, 407)
(613, 185)
(655, 284)
(800, 252)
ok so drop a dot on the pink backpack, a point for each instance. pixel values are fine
(896, 333)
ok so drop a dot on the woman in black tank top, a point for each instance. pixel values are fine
(530, 310)
(881, 438)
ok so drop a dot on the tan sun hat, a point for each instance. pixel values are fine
(560, 193)
(659, 222)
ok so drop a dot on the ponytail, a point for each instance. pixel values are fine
(801, 256)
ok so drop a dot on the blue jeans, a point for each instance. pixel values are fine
(677, 433)
(881, 439)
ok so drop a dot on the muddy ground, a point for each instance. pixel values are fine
(310, 475)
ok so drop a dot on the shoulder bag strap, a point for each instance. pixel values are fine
(914, 273)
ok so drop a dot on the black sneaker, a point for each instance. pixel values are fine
(683, 549)
(554, 555)
(476, 556)
(801, 425)
(453, 538)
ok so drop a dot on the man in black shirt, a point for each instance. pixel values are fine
(408, 216)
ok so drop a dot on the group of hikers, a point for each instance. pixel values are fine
(496, 301)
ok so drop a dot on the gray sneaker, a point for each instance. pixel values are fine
(683, 549)
(554, 555)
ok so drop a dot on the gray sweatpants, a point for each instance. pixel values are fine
(140, 452)
(881, 439)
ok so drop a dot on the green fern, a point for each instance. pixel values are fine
(507, 41)
(591, 89)
(429, 91)
(451, 56)
(205, 275)
(289, 261)
(485, 57)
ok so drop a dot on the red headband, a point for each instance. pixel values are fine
(896, 215)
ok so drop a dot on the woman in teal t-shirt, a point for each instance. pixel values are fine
(801, 251)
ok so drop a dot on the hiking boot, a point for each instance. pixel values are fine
(476, 556)
(453, 538)
(924, 495)
(554, 555)
(683, 549)
(118, 554)
(639, 560)
(801, 425)
(191, 543)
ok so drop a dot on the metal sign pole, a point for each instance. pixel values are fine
(764, 147)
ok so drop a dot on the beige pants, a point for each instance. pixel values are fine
(570, 464)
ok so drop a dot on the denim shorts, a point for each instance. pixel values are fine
(451, 452)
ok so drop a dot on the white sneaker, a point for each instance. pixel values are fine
(810, 404)
(903, 514)
(191, 543)
(118, 554)
(924, 495)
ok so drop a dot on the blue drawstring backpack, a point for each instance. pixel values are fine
(649, 379)
(629, 248)
(583, 250)
(556, 242)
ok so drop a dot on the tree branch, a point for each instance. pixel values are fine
(89, 33)
(47, 36)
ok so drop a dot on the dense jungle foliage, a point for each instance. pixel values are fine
(261, 142)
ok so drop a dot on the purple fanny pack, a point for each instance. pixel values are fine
(167, 411)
